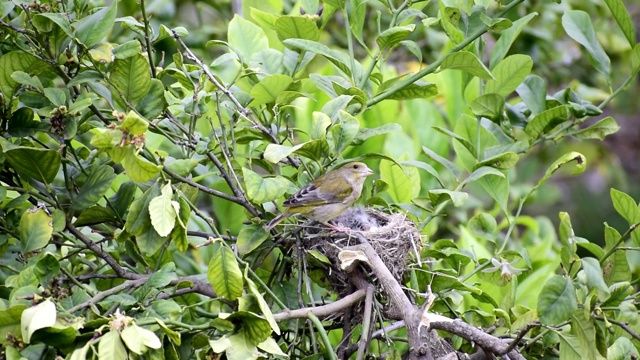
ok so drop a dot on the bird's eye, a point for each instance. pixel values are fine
(355, 166)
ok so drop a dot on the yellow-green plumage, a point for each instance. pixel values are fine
(328, 196)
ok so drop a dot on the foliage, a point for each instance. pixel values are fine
(136, 176)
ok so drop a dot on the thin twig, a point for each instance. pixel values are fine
(129, 284)
(520, 335)
(624, 326)
(241, 110)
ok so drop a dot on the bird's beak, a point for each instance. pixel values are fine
(368, 171)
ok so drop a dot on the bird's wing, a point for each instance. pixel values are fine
(311, 195)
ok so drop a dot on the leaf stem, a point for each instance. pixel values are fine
(352, 59)
(615, 248)
(323, 335)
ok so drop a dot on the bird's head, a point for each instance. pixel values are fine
(357, 170)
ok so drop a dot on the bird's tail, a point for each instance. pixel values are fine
(276, 220)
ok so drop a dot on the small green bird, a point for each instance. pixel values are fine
(326, 197)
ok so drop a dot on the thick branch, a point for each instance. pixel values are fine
(408, 311)
(482, 339)
(324, 310)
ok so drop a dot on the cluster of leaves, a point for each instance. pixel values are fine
(125, 176)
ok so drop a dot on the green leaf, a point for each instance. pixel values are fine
(578, 26)
(106, 138)
(264, 307)
(94, 188)
(489, 106)
(131, 78)
(595, 279)
(127, 49)
(449, 18)
(44, 22)
(134, 124)
(501, 161)
(481, 172)
(412, 91)
(393, 36)
(224, 273)
(138, 219)
(246, 38)
(138, 339)
(95, 215)
(250, 237)
(458, 198)
(102, 53)
(338, 58)
(507, 38)
(56, 96)
(275, 152)
(424, 166)
(111, 347)
(38, 164)
(153, 103)
(261, 190)
(466, 61)
(138, 169)
(582, 327)
(37, 317)
(22, 123)
(82, 102)
(296, 27)
(625, 206)
(569, 347)
(455, 170)
(17, 61)
(599, 130)
(10, 322)
(567, 239)
(635, 59)
(622, 349)
(557, 301)
(533, 91)
(508, 74)
(271, 346)
(92, 29)
(342, 134)
(466, 143)
(547, 120)
(269, 88)
(23, 78)
(163, 211)
(364, 134)
(401, 186)
(577, 161)
(498, 188)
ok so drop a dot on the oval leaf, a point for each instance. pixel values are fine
(38, 164)
(557, 301)
(36, 228)
(224, 273)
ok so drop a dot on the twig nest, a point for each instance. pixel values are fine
(392, 236)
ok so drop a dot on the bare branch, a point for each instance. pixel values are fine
(127, 285)
(488, 342)
(621, 324)
(324, 310)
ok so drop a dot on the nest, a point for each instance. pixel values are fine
(392, 236)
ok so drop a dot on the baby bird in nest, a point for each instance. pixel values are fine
(326, 197)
